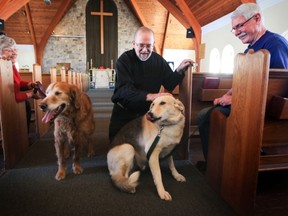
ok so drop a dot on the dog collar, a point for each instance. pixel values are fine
(152, 147)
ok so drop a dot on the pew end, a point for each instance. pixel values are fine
(12, 118)
(249, 141)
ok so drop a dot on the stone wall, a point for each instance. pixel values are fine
(68, 45)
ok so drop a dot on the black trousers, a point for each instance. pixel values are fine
(28, 114)
(119, 118)
(203, 121)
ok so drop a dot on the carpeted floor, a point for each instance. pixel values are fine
(30, 189)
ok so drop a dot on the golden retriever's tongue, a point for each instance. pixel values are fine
(48, 116)
(148, 116)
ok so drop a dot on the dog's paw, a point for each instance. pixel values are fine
(180, 178)
(60, 175)
(165, 196)
(77, 169)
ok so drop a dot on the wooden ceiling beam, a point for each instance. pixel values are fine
(248, 1)
(193, 22)
(171, 8)
(165, 33)
(31, 28)
(9, 7)
(64, 7)
(143, 21)
(195, 26)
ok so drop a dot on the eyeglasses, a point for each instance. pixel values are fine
(239, 26)
(9, 49)
(141, 46)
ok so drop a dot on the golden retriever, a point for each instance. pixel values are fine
(166, 119)
(71, 111)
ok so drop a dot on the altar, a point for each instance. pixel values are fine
(102, 78)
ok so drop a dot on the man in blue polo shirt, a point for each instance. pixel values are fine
(248, 26)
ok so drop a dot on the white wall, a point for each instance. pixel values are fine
(275, 16)
(26, 56)
(177, 56)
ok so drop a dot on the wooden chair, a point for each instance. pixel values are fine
(13, 118)
(236, 142)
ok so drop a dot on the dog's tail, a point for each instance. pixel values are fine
(120, 164)
(126, 184)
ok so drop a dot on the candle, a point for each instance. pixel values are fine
(91, 64)
(111, 63)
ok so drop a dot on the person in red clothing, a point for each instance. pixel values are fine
(23, 89)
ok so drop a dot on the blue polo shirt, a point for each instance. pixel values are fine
(277, 45)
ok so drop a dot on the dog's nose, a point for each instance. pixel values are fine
(43, 106)
(150, 114)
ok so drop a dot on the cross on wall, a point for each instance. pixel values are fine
(101, 13)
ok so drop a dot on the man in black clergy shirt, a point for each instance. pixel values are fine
(140, 72)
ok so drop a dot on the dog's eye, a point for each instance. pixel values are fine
(162, 103)
(57, 93)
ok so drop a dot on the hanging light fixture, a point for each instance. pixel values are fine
(47, 2)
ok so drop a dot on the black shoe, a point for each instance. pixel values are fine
(201, 166)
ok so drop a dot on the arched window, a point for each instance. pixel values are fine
(214, 64)
(227, 61)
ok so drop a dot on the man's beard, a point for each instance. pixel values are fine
(147, 56)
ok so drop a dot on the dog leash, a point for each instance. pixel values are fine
(156, 140)
(184, 141)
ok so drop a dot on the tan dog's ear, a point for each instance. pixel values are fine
(74, 96)
(179, 105)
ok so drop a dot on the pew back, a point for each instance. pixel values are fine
(234, 149)
(13, 118)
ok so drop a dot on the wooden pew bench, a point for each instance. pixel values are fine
(12, 118)
(249, 140)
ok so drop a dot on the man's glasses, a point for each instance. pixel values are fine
(239, 26)
(141, 46)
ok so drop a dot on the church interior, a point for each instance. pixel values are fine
(79, 42)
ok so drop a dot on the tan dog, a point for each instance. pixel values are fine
(132, 143)
(72, 113)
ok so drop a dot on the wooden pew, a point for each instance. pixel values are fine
(13, 118)
(185, 96)
(235, 143)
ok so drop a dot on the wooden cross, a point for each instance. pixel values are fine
(101, 14)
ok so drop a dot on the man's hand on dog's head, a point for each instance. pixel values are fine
(152, 97)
